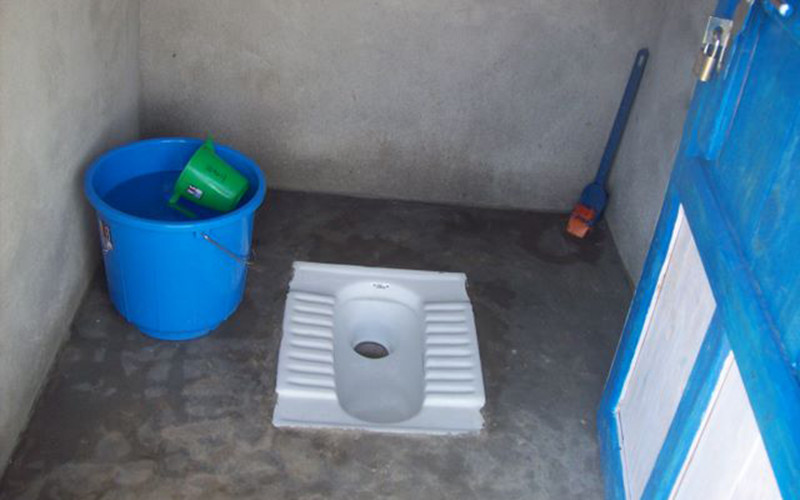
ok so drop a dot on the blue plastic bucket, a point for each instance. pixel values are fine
(173, 277)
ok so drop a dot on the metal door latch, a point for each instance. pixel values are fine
(712, 51)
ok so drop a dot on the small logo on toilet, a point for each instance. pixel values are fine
(380, 286)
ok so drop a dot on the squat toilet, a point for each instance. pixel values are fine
(379, 349)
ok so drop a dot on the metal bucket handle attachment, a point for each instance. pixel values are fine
(248, 261)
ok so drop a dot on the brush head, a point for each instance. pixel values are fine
(580, 221)
(588, 210)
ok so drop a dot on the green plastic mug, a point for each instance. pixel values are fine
(209, 181)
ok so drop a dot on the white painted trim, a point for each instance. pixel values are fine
(680, 219)
(675, 327)
(728, 459)
(723, 375)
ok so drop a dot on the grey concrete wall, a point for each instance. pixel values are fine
(504, 103)
(69, 87)
(647, 153)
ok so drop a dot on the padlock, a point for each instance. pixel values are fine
(704, 66)
(706, 61)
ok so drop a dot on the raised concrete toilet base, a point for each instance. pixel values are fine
(379, 349)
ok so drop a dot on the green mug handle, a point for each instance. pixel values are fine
(173, 202)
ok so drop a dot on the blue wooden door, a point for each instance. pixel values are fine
(734, 202)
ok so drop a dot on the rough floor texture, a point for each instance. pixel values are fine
(125, 416)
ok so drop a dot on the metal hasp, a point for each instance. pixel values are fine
(712, 51)
(721, 33)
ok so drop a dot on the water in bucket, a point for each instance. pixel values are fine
(148, 196)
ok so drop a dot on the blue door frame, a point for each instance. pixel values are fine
(737, 177)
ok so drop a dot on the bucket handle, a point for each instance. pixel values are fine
(247, 261)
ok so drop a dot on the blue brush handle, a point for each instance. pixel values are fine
(622, 117)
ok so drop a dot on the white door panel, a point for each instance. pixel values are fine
(728, 459)
(677, 322)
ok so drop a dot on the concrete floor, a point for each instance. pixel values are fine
(124, 416)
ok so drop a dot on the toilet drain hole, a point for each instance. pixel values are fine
(371, 350)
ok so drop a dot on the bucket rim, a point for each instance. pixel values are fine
(112, 213)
